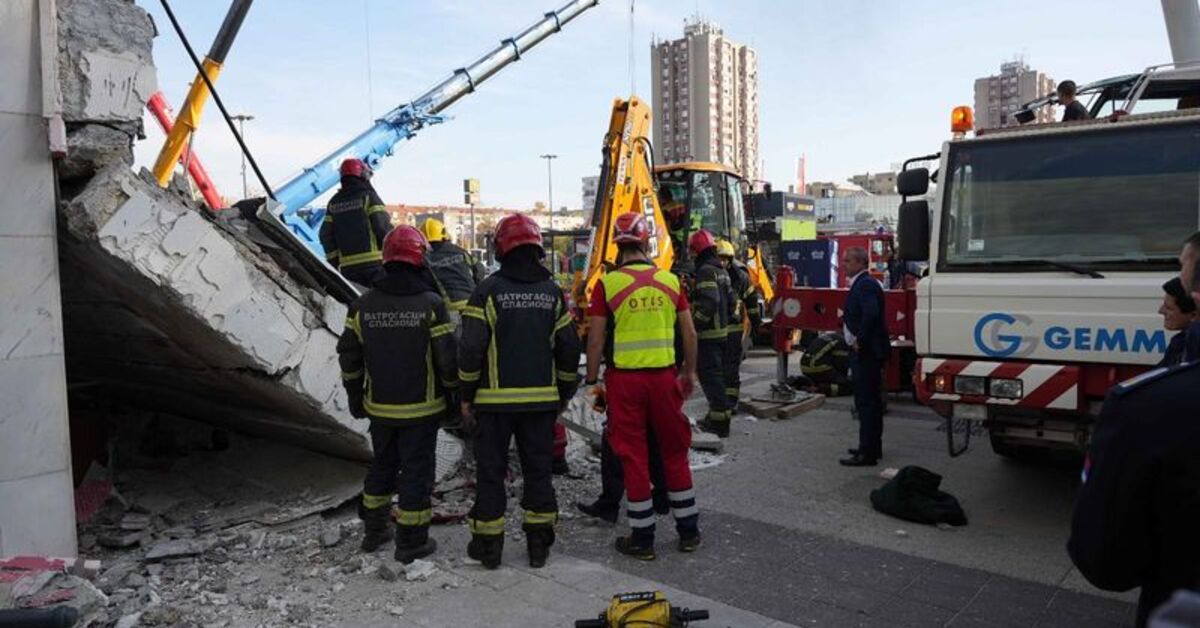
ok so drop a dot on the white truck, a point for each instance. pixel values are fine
(1047, 248)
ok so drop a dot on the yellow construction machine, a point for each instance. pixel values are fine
(677, 200)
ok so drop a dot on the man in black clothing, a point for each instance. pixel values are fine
(519, 365)
(397, 356)
(1138, 511)
(1074, 110)
(457, 271)
(866, 333)
(355, 224)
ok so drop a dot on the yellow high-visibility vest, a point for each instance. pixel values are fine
(642, 301)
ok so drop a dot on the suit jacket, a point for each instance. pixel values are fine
(863, 316)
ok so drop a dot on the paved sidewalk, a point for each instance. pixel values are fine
(814, 580)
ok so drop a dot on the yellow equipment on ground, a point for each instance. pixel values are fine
(649, 609)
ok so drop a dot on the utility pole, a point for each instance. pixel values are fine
(241, 120)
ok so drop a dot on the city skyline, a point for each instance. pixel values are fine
(855, 86)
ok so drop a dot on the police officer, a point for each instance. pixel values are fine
(743, 306)
(356, 222)
(638, 306)
(518, 365)
(1137, 515)
(456, 270)
(712, 298)
(397, 356)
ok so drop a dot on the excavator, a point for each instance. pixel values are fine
(677, 200)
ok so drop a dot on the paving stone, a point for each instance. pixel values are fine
(953, 596)
(900, 611)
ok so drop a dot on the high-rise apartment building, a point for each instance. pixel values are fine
(591, 189)
(998, 97)
(705, 98)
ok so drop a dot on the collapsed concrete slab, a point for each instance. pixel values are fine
(168, 308)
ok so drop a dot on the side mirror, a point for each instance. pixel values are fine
(913, 231)
(914, 182)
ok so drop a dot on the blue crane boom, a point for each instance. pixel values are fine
(405, 121)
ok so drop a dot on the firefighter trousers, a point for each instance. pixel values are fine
(640, 400)
(534, 433)
(711, 372)
(403, 463)
(732, 364)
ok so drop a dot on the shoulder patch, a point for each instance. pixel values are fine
(1152, 375)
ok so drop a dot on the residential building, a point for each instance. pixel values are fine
(999, 96)
(833, 189)
(878, 183)
(458, 220)
(705, 99)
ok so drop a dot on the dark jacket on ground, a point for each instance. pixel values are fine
(712, 298)
(456, 270)
(1137, 515)
(397, 352)
(356, 222)
(520, 351)
(863, 316)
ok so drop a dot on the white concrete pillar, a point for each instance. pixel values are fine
(37, 512)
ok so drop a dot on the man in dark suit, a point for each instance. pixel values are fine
(867, 335)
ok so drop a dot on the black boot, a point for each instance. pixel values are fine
(413, 542)
(377, 529)
(538, 541)
(715, 423)
(638, 546)
(487, 549)
(599, 510)
(559, 466)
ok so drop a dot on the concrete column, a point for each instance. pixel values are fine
(37, 512)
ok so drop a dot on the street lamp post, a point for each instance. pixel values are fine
(241, 120)
(550, 193)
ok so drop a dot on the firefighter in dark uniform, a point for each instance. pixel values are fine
(397, 356)
(743, 306)
(1137, 515)
(356, 222)
(456, 270)
(711, 300)
(519, 366)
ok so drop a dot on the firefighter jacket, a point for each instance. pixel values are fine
(712, 298)
(355, 224)
(520, 351)
(744, 300)
(642, 302)
(456, 270)
(397, 352)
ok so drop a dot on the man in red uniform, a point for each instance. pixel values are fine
(634, 315)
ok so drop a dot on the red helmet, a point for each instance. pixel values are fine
(700, 242)
(354, 167)
(630, 228)
(405, 244)
(515, 230)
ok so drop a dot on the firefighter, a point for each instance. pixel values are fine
(356, 222)
(398, 362)
(637, 306)
(456, 270)
(518, 365)
(743, 305)
(712, 297)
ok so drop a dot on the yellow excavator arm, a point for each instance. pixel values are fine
(626, 185)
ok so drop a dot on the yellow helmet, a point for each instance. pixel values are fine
(433, 229)
(725, 248)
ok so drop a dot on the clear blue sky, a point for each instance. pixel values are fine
(855, 84)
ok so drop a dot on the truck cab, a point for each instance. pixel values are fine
(1047, 249)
